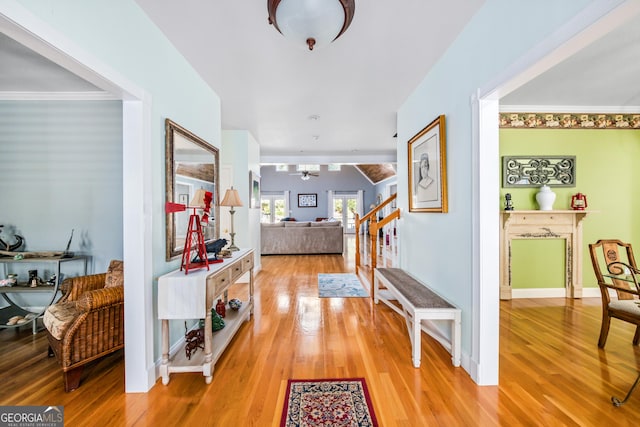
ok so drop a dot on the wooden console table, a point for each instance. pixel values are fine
(565, 225)
(191, 296)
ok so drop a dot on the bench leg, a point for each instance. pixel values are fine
(455, 339)
(415, 341)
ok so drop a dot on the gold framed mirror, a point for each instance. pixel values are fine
(191, 163)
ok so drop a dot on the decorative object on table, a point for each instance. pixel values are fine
(235, 304)
(35, 254)
(221, 309)
(20, 320)
(578, 202)
(232, 199)
(344, 402)
(225, 253)
(10, 247)
(545, 198)
(11, 280)
(311, 23)
(428, 168)
(194, 247)
(533, 171)
(6, 282)
(217, 322)
(508, 204)
(52, 280)
(215, 248)
(194, 339)
(34, 280)
(67, 253)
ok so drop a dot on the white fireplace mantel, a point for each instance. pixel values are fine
(565, 225)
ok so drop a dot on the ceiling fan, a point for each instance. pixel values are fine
(305, 175)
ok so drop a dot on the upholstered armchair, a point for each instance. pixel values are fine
(87, 323)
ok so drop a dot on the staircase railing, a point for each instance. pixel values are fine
(377, 222)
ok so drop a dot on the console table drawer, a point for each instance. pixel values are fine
(218, 283)
(247, 263)
(542, 219)
(236, 270)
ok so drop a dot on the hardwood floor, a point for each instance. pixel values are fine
(551, 371)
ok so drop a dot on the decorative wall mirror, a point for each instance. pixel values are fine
(191, 164)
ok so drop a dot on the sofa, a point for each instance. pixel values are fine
(301, 237)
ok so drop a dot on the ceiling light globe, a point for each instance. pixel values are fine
(314, 23)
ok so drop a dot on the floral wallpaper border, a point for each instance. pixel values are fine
(570, 121)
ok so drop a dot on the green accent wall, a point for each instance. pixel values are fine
(606, 171)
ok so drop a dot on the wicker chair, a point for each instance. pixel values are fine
(87, 323)
(620, 274)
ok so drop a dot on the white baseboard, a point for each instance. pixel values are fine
(551, 293)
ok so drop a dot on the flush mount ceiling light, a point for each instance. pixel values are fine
(312, 22)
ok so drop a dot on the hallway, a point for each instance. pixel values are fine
(551, 371)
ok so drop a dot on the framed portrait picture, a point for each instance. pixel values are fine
(254, 188)
(428, 169)
(307, 200)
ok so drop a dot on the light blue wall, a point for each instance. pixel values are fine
(61, 163)
(348, 179)
(120, 36)
(438, 247)
(241, 152)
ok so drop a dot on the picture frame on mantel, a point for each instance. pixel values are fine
(307, 200)
(427, 159)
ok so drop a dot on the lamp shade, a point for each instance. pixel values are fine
(231, 198)
(311, 22)
(201, 199)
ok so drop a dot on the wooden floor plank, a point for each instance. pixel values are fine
(551, 370)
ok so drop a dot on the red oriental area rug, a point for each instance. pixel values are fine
(328, 402)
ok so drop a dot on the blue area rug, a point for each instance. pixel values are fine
(340, 285)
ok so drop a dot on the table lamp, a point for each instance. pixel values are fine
(232, 199)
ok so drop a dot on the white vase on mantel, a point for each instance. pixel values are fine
(545, 198)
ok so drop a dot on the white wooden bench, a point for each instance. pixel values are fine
(418, 303)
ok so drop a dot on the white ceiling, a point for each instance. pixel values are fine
(272, 87)
(604, 74)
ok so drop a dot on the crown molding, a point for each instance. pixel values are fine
(57, 96)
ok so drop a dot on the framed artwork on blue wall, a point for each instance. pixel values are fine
(307, 200)
(428, 168)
